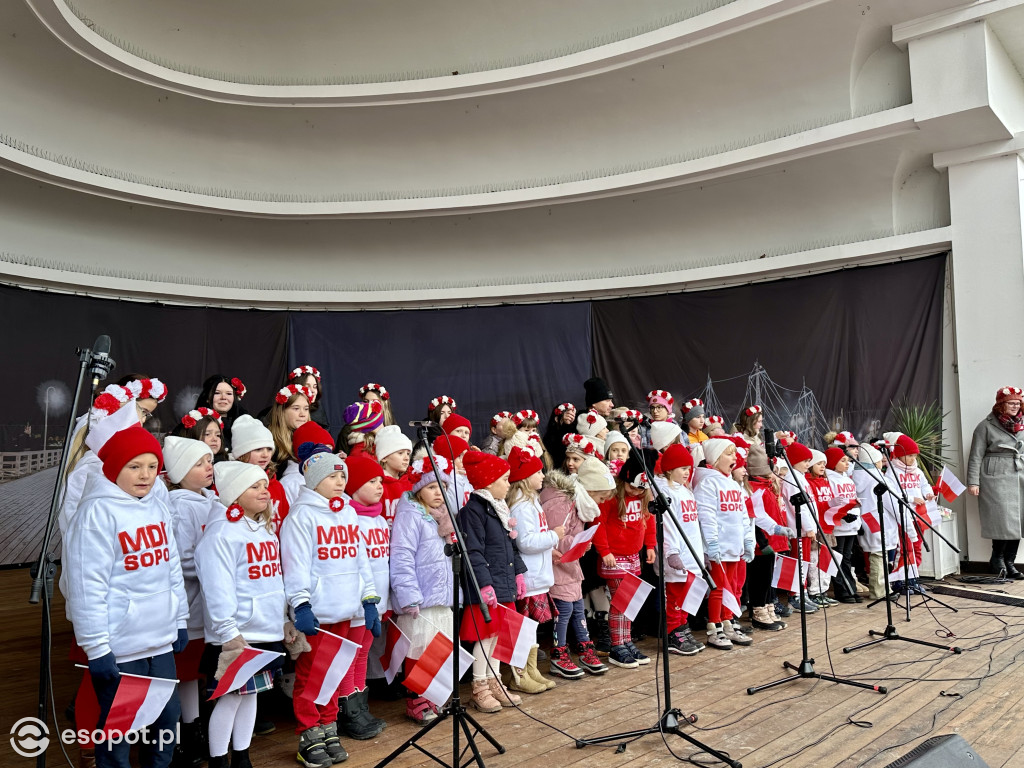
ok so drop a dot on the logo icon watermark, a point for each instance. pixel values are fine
(30, 737)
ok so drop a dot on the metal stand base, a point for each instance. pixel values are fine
(890, 633)
(806, 672)
(462, 720)
(669, 723)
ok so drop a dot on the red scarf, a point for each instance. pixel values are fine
(1012, 424)
(373, 510)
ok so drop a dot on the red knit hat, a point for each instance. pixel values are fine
(797, 452)
(833, 456)
(361, 470)
(311, 432)
(125, 446)
(454, 422)
(1008, 394)
(524, 464)
(458, 446)
(904, 447)
(676, 456)
(482, 469)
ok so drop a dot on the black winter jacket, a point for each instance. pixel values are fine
(493, 555)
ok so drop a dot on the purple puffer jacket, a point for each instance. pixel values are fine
(421, 573)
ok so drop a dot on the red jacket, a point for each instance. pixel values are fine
(624, 537)
(278, 505)
(822, 491)
(394, 487)
(771, 505)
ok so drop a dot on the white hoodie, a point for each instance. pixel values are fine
(808, 512)
(535, 543)
(684, 510)
(325, 561)
(293, 482)
(189, 513)
(722, 513)
(458, 490)
(843, 487)
(917, 488)
(126, 591)
(866, 480)
(239, 569)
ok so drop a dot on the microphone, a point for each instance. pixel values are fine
(769, 443)
(427, 424)
(101, 363)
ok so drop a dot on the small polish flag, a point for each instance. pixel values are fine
(949, 486)
(334, 655)
(871, 521)
(630, 596)
(431, 676)
(835, 512)
(932, 512)
(516, 635)
(396, 648)
(730, 602)
(828, 565)
(785, 574)
(696, 591)
(579, 545)
(138, 702)
(897, 572)
(251, 661)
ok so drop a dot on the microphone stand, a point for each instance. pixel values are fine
(670, 718)
(456, 550)
(805, 670)
(890, 632)
(45, 567)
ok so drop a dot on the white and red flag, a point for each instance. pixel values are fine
(138, 702)
(730, 602)
(630, 596)
(579, 545)
(249, 662)
(786, 574)
(826, 563)
(871, 521)
(334, 655)
(517, 634)
(431, 676)
(396, 648)
(949, 485)
(696, 591)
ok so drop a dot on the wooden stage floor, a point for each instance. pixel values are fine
(977, 694)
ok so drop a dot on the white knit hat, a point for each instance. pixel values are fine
(590, 423)
(714, 448)
(181, 454)
(595, 476)
(248, 434)
(103, 429)
(389, 440)
(233, 478)
(817, 457)
(614, 437)
(869, 453)
(663, 433)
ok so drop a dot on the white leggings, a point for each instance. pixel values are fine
(233, 717)
(188, 693)
(483, 663)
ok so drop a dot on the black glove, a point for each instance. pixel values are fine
(849, 518)
(104, 669)
(767, 551)
(179, 645)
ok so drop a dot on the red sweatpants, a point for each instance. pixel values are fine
(725, 575)
(675, 593)
(355, 680)
(307, 713)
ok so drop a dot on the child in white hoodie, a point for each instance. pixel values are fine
(327, 578)
(126, 594)
(535, 541)
(189, 466)
(239, 568)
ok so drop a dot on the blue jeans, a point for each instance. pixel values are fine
(570, 612)
(153, 754)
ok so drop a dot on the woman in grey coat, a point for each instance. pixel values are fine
(995, 474)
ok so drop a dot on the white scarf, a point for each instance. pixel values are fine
(586, 508)
(504, 513)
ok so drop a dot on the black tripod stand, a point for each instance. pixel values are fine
(805, 670)
(461, 719)
(670, 719)
(97, 362)
(890, 633)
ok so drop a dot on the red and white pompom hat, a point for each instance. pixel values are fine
(660, 397)
(110, 400)
(844, 440)
(437, 402)
(239, 387)
(692, 409)
(563, 407)
(581, 444)
(194, 416)
(523, 415)
(716, 420)
(590, 423)
(753, 410)
(304, 370)
(633, 415)
(1008, 394)
(497, 418)
(143, 389)
(370, 386)
(284, 393)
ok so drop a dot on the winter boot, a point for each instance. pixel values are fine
(996, 561)
(312, 750)
(419, 710)
(685, 630)
(763, 620)
(483, 698)
(240, 758)
(1009, 558)
(774, 615)
(602, 634)
(86, 758)
(534, 671)
(522, 681)
(221, 761)
(502, 694)
(735, 636)
(561, 664)
(679, 643)
(717, 638)
(350, 721)
(332, 744)
(641, 658)
(369, 721)
(621, 657)
(589, 660)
